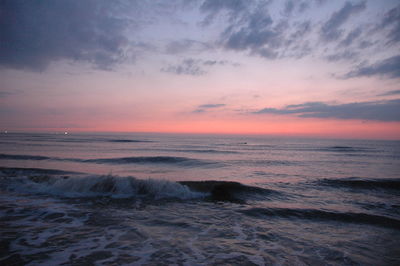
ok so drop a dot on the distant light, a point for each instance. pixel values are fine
(5, 131)
(65, 133)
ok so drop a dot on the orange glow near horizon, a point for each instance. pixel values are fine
(278, 126)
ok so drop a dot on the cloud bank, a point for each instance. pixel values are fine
(389, 67)
(36, 33)
(379, 110)
(105, 33)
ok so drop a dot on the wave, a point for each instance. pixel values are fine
(182, 161)
(24, 157)
(230, 191)
(15, 172)
(211, 151)
(74, 184)
(151, 159)
(320, 215)
(347, 149)
(98, 186)
(205, 151)
(68, 138)
(127, 140)
(359, 183)
(265, 162)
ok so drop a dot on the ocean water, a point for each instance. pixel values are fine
(163, 199)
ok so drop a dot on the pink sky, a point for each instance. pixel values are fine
(307, 69)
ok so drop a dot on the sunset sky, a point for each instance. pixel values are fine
(301, 68)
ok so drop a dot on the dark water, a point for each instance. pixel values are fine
(150, 199)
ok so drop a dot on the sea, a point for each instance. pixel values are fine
(181, 199)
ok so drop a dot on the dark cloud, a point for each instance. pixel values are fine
(218, 5)
(351, 37)
(207, 106)
(390, 93)
(36, 33)
(331, 31)
(258, 35)
(199, 111)
(4, 94)
(219, 62)
(300, 30)
(204, 107)
(303, 6)
(345, 55)
(391, 21)
(252, 29)
(289, 7)
(232, 7)
(195, 67)
(389, 67)
(321, 2)
(378, 111)
(292, 6)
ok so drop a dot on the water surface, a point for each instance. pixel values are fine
(146, 199)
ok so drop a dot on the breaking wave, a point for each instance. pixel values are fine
(72, 184)
(231, 191)
(99, 186)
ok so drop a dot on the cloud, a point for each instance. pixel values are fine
(390, 93)
(391, 21)
(187, 45)
(208, 106)
(289, 7)
(330, 31)
(258, 35)
(290, 29)
(389, 67)
(257, 29)
(105, 33)
(233, 7)
(37, 33)
(204, 107)
(292, 6)
(250, 26)
(4, 94)
(186, 67)
(339, 56)
(351, 37)
(195, 67)
(378, 110)
(218, 5)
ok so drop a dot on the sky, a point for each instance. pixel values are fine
(312, 68)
